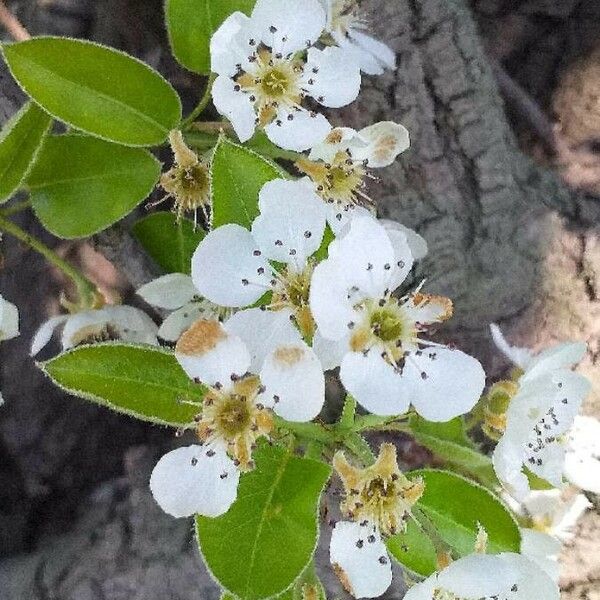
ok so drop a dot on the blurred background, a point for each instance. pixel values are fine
(502, 100)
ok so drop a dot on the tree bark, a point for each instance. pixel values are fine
(508, 243)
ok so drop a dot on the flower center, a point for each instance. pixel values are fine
(235, 418)
(275, 83)
(387, 324)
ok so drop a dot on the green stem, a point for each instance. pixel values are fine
(15, 208)
(440, 545)
(85, 288)
(202, 104)
(307, 431)
(359, 447)
(366, 422)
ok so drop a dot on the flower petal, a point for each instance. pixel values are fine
(381, 143)
(560, 356)
(366, 61)
(339, 217)
(45, 332)
(291, 223)
(297, 130)
(416, 243)
(336, 140)
(582, 461)
(195, 479)
(508, 465)
(208, 353)
(542, 549)
(532, 582)
(181, 319)
(225, 51)
(443, 383)
(522, 357)
(9, 320)
(294, 381)
(262, 331)
(403, 258)
(289, 26)
(236, 106)
(329, 352)
(382, 52)
(229, 269)
(337, 79)
(170, 291)
(363, 567)
(374, 383)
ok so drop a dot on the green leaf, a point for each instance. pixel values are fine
(80, 185)
(169, 244)
(97, 89)
(20, 141)
(141, 381)
(449, 442)
(414, 550)
(238, 174)
(191, 23)
(267, 538)
(455, 505)
(323, 250)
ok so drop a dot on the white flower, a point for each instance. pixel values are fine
(505, 576)
(124, 323)
(264, 75)
(253, 365)
(346, 25)
(176, 292)
(338, 166)
(548, 397)
(9, 320)
(231, 265)
(374, 336)
(582, 460)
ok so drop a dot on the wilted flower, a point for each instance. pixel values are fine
(376, 337)
(250, 373)
(346, 25)
(264, 75)
(339, 166)
(123, 323)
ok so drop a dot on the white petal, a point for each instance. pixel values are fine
(291, 223)
(236, 106)
(44, 333)
(543, 549)
(508, 465)
(522, 357)
(300, 23)
(416, 243)
(337, 140)
(549, 462)
(403, 258)
(363, 567)
(9, 320)
(262, 331)
(226, 265)
(366, 61)
(443, 383)
(582, 461)
(384, 141)
(170, 291)
(208, 353)
(382, 52)
(297, 130)
(181, 319)
(329, 304)
(195, 479)
(560, 356)
(532, 581)
(339, 218)
(294, 381)
(374, 383)
(427, 309)
(337, 81)
(224, 51)
(330, 353)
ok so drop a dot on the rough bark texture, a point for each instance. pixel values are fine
(507, 242)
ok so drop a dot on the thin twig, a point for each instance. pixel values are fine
(12, 24)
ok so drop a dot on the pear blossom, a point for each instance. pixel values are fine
(124, 323)
(176, 292)
(346, 25)
(267, 64)
(248, 379)
(547, 399)
(231, 265)
(505, 576)
(376, 337)
(339, 166)
(582, 459)
(378, 500)
(9, 320)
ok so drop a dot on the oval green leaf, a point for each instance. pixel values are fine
(455, 505)
(20, 141)
(80, 185)
(97, 89)
(414, 550)
(238, 174)
(140, 381)
(191, 23)
(169, 244)
(267, 538)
